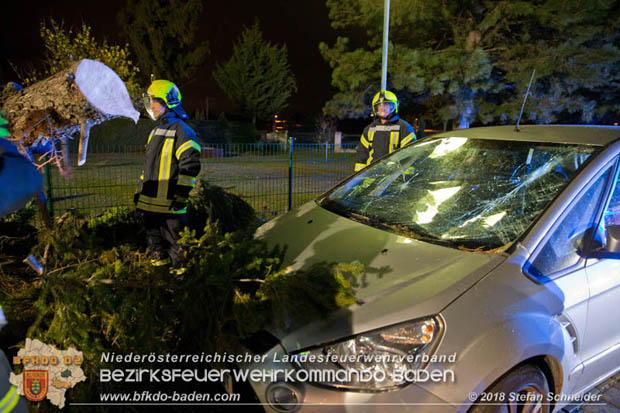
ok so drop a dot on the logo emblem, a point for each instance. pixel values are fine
(36, 384)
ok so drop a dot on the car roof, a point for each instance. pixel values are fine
(594, 135)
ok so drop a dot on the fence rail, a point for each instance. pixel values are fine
(272, 177)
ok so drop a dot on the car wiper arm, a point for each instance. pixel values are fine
(417, 230)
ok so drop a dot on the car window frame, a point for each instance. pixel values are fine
(612, 187)
(615, 177)
(612, 167)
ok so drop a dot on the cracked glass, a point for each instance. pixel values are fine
(473, 194)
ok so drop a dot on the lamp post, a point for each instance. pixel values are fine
(386, 27)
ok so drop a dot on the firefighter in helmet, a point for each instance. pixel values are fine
(170, 169)
(386, 133)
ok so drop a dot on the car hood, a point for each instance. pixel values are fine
(403, 278)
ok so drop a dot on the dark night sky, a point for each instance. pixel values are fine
(301, 24)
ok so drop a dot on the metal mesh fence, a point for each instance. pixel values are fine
(271, 177)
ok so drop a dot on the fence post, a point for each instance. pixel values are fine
(290, 173)
(49, 202)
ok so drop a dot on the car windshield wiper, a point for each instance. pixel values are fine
(411, 229)
(355, 215)
(337, 207)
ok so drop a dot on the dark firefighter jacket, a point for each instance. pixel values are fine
(380, 139)
(171, 166)
(9, 397)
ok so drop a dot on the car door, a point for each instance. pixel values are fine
(557, 263)
(602, 335)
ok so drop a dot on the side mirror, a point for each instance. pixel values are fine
(613, 239)
(589, 243)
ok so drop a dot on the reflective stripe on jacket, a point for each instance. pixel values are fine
(379, 139)
(172, 162)
(10, 401)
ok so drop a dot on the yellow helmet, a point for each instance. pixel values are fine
(385, 96)
(166, 92)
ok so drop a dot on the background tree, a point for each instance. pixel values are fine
(162, 35)
(471, 60)
(325, 127)
(257, 77)
(574, 47)
(64, 46)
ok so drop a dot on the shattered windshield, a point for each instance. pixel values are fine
(461, 192)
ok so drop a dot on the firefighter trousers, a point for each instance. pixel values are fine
(162, 235)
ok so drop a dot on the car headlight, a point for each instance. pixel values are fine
(374, 361)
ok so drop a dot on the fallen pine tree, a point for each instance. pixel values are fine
(100, 295)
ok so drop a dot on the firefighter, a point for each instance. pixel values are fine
(170, 169)
(386, 133)
(19, 178)
(10, 401)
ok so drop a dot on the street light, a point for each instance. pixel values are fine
(386, 27)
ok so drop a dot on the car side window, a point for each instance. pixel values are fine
(560, 250)
(612, 212)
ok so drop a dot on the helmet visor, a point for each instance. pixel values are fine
(384, 109)
(146, 101)
(151, 109)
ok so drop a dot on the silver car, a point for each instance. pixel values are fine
(491, 283)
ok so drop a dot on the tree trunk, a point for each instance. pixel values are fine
(463, 122)
(467, 109)
(52, 107)
(473, 39)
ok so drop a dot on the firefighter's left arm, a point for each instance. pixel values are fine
(362, 151)
(188, 154)
(408, 132)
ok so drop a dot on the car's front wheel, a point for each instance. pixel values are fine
(523, 390)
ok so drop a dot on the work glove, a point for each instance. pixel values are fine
(178, 203)
(136, 197)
